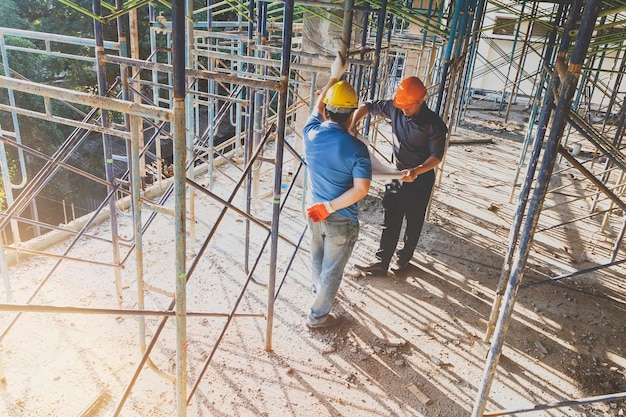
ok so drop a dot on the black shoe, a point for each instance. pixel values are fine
(401, 267)
(332, 320)
(374, 268)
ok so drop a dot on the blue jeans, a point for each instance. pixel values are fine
(332, 241)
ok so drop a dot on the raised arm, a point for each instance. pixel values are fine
(337, 69)
(358, 115)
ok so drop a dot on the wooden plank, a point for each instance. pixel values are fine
(419, 394)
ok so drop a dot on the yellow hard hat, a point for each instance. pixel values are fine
(341, 98)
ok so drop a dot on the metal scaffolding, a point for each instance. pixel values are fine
(251, 73)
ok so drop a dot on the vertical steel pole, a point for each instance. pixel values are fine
(108, 151)
(544, 119)
(4, 170)
(359, 81)
(133, 123)
(280, 143)
(512, 57)
(180, 209)
(8, 186)
(547, 57)
(154, 58)
(563, 107)
(448, 55)
(471, 62)
(212, 89)
(520, 66)
(122, 38)
(460, 51)
(253, 137)
(190, 126)
(346, 36)
(380, 31)
(138, 171)
(374, 74)
(618, 241)
(263, 21)
(4, 268)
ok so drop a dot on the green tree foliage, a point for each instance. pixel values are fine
(10, 17)
(53, 17)
(48, 16)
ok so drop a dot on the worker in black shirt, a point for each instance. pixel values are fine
(419, 144)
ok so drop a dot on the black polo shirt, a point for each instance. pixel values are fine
(415, 138)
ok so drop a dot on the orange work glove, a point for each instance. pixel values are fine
(318, 212)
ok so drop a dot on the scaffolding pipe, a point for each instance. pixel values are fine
(180, 208)
(619, 130)
(190, 113)
(618, 240)
(65, 121)
(562, 109)
(374, 73)
(203, 248)
(598, 183)
(136, 205)
(520, 66)
(56, 38)
(346, 34)
(580, 93)
(59, 228)
(559, 404)
(29, 308)
(107, 146)
(471, 61)
(8, 185)
(456, 84)
(518, 217)
(253, 137)
(60, 258)
(196, 73)
(511, 58)
(575, 273)
(50, 159)
(547, 57)
(278, 164)
(136, 173)
(42, 177)
(4, 268)
(448, 55)
(380, 31)
(358, 83)
(89, 100)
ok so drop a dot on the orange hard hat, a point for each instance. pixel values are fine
(410, 92)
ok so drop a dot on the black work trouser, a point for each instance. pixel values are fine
(404, 200)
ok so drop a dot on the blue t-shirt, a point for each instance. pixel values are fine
(334, 158)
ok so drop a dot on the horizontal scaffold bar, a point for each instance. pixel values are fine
(53, 37)
(209, 75)
(91, 100)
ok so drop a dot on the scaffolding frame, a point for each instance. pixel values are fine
(269, 80)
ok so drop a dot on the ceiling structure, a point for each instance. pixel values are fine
(257, 63)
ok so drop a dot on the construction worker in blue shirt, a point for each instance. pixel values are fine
(419, 144)
(339, 175)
